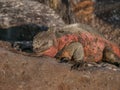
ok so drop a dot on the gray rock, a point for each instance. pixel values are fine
(19, 12)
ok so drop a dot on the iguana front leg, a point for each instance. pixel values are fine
(73, 52)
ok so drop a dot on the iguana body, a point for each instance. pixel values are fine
(93, 44)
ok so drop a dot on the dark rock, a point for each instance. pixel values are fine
(21, 33)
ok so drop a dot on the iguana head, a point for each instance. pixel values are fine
(43, 41)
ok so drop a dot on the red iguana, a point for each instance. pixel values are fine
(77, 42)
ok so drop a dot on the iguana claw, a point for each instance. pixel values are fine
(63, 60)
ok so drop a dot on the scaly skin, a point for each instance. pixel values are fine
(74, 51)
(67, 39)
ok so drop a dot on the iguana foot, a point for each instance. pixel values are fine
(75, 66)
(64, 60)
(79, 65)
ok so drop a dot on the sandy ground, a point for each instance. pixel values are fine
(19, 72)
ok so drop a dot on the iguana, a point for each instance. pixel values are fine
(76, 42)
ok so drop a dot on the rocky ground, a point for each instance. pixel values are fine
(19, 72)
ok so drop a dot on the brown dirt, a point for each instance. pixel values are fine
(18, 72)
